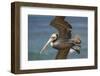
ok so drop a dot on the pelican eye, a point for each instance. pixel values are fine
(53, 37)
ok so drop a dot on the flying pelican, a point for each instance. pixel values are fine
(62, 40)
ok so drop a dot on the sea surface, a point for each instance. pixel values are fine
(39, 31)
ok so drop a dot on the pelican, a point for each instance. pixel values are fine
(62, 40)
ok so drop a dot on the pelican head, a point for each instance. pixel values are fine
(53, 38)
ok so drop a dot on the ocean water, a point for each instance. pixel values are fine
(39, 31)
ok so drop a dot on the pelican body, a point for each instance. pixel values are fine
(62, 40)
(61, 44)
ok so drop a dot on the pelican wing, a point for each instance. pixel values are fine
(62, 54)
(63, 27)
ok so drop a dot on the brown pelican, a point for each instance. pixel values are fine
(62, 40)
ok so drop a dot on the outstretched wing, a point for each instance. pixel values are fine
(62, 54)
(63, 27)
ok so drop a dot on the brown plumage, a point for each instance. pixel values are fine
(63, 27)
(62, 40)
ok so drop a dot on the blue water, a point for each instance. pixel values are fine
(39, 31)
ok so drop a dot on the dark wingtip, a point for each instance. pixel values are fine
(57, 20)
(60, 17)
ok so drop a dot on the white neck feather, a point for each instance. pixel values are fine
(51, 44)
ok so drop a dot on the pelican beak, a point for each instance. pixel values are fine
(45, 46)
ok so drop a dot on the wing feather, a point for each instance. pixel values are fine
(62, 26)
(62, 54)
